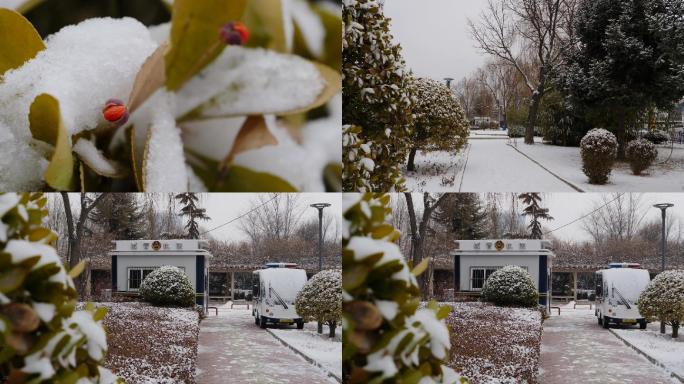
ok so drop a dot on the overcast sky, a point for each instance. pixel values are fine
(434, 35)
(567, 207)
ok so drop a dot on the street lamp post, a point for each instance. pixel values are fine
(320, 207)
(448, 81)
(663, 207)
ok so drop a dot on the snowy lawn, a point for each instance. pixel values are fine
(664, 349)
(491, 344)
(666, 175)
(435, 171)
(319, 347)
(151, 344)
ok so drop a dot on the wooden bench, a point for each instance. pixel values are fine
(239, 302)
(215, 310)
(558, 308)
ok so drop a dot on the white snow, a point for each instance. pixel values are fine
(363, 247)
(12, 4)
(319, 347)
(212, 138)
(96, 340)
(243, 81)
(22, 250)
(310, 25)
(165, 168)
(7, 202)
(45, 311)
(661, 347)
(93, 157)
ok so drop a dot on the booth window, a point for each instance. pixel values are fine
(137, 274)
(478, 276)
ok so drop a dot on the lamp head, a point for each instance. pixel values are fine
(320, 205)
(663, 206)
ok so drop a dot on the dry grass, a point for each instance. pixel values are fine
(495, 344)
(151, 344)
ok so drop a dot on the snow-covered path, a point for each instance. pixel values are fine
(232, 349)
(575, 349)
(492, 165)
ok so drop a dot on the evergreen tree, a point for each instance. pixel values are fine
(121, 215)
(629, 56)
(378, 95)
(190, 209)
(463, 215)
(532, 201)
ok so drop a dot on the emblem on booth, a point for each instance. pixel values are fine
(499, 245)
(156, 245)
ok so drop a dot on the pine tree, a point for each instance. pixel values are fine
(628, 57)
(190, 208)
(378, 94)
(533, 209)
(121, 215)
(463, 215)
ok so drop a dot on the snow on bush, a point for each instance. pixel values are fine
(663, 299)
(358, 164)
(440, 123)
(511, 285)
(386, 337)
(43, 338)
(144, 111)
(640, 153)
(657, 137)
(598, 149)
(168, 285)
(321, 299)
(378, 90)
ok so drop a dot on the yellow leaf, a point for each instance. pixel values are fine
(19, 41)
(135, 164)
(150, 77)
(266, 23)
(333, 85)
(253, 134)
(77, 269)
(195, 38)
(421, 267)
(46, 125)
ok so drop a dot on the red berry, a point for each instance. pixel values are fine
(242, 29)
(115, 111)
(234, 33)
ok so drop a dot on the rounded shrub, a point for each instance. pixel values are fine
(640, 153)
(321, 299)
(169, 286)
(663, 299)
(657, 137)
(511, 285)
(43, 338)
(598, 149)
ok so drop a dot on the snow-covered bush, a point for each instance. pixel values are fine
(358, 164)
(168, 285)
(440, 123)
(657, 137)
(321, 299)
(640, 153)
(387, 339)
(43, 338)
(599, 149)
(217, 99)
(663, 299)
(511, 285)
(378, 90)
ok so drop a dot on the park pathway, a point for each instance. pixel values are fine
(575, 349)
(232, 349)
(493, 165)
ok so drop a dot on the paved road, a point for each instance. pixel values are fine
(492, 165)
(575, 349)
(232, 349)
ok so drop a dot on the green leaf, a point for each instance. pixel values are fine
(195, 38)
(333, 35)
(20, 42)
(11, 279)
(421, 267)
(332, 176)
(46, 125)
(266, 24)
(77, 269)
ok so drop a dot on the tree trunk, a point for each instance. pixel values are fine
(675, 329)
(410, 166)
(532, 117)
(621, 134)
(332, 325)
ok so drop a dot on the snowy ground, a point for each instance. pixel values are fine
(232, 349)
(575, 349)
(151, 344)
(493, 162)
(664, 349)
(494, 344)
(319, 347)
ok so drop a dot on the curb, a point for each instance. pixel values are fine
(648, 357)
(571, 185)
(307, 358)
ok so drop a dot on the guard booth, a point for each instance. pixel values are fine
(133, 260)
(476, 260)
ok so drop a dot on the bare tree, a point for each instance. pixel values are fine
(500, 80)
(618, 217)
(515, 31)
(273, 217)
(466, 93)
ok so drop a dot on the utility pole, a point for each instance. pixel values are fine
(320, 207)
(663, 207)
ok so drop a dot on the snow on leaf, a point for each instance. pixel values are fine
(95, 160)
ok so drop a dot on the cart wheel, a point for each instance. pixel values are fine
(256, 320)
(300, 324)
(606, 322)
(642, 324)
(262, 322)
(600, 320)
